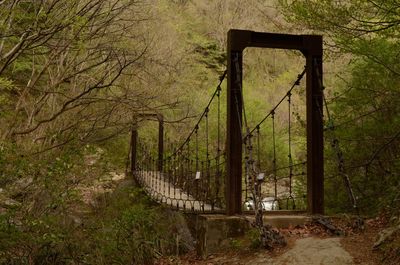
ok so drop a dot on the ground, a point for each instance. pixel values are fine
(308, 245)
(311, 244)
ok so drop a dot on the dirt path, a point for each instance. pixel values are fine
(305, 251)
(310, 251)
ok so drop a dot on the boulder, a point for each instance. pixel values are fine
(386, 234)
(8, 203)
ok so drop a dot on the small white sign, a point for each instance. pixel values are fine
(198, 175)
(261, 176)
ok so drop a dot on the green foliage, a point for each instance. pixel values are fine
(50, 226)
(249, 242)
(127, 230)
(6, 84)
(13, 165)
(138, 234)
(253, 236)
(374, 98)
(235, 244)
(390, 249)
(365, 107)
(116, 151)
(208, 53)
(42, 240)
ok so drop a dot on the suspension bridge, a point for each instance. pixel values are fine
(236, 169)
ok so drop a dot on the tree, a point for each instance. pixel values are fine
(71, 58)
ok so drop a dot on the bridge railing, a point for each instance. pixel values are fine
(181, 184)
(192, 175)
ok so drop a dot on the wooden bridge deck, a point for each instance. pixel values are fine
(160, 189)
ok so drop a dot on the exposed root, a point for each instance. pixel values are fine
(327, 223)
(270, 237)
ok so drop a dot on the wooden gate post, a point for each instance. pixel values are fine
(233, 192)
(314, 113)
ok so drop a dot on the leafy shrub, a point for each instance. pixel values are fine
(128, 230)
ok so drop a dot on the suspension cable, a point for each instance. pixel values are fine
(289, 95)
(217, 159)
(258, 148)
(274, 165)
(296, 83)
(204, 113)
(197, 147)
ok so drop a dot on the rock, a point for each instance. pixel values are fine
(107, 185)
(93, 158)
(3, 210)
(23, 183)
(20, 186)
(9, 203)
(385, 235)
(327, 224)
(77, 220)
(271, 238)
(310, 251)
(394, 219)
(116, 177)
(74, 220)
(184, 240)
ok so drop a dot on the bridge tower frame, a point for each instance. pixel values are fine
(311, 46)
(134, 140)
